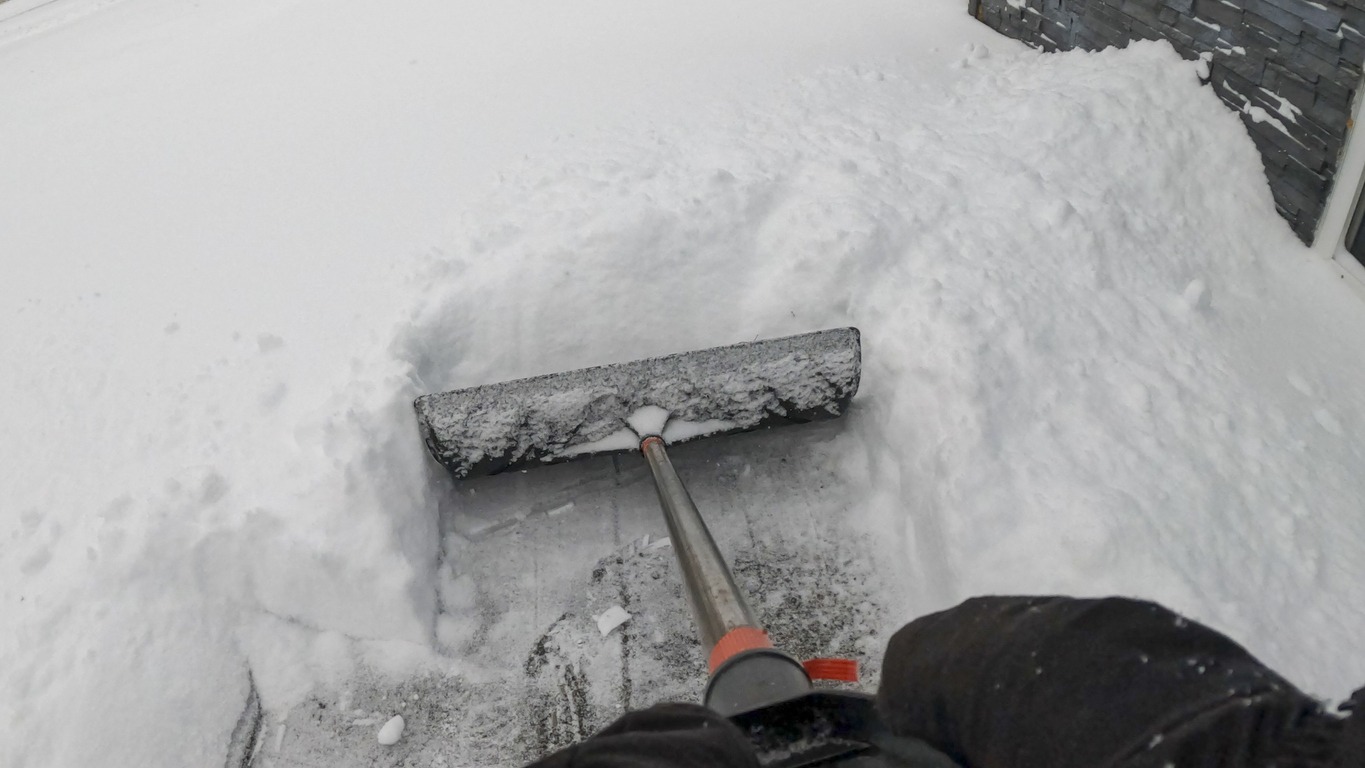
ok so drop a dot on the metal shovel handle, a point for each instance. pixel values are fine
(717, 604)
(747, 673)
(764, 691)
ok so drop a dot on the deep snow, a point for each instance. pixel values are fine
(241, 237)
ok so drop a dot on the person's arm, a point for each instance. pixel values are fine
(1044, 682)
(1055, 682)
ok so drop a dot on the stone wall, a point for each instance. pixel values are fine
(1290, 67)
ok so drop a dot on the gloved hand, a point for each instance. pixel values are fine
(1045, 682)
(1056, 682)
(664, 736)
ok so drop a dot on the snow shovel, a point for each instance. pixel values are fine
(644, 406)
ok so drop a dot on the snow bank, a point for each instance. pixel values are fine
(134, 621)
(209, 451)
(1095, 359)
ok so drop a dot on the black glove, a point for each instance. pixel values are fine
(663, 736)
(1045, 682)
(1055, 682)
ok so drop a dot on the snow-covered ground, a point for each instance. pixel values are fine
(240, 237)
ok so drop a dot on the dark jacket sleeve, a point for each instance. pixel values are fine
(1054, 682)
(663, 736)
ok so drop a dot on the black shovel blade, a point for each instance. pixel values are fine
(541, 420)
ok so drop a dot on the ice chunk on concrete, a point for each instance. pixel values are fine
(392, 731)
(612, 618)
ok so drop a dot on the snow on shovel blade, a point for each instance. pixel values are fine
(541, 420)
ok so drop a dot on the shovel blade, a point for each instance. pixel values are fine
(531, 422)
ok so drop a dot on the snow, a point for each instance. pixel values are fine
(391, 732)
(1260, 115)
(648, 420)
(623, 439)
(652, 420)
(559, 510)
(1286, 109)
(242, 237)
(611, 618)
(679, 430)
(1197, 295)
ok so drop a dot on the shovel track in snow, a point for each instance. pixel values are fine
(578, 682)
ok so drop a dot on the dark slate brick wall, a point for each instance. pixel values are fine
(1301, 57)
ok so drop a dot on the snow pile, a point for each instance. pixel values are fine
(1083, 325)
(211, 462)
(146, 609)
(1094, 359)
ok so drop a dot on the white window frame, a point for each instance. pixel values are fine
(1345, 204)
